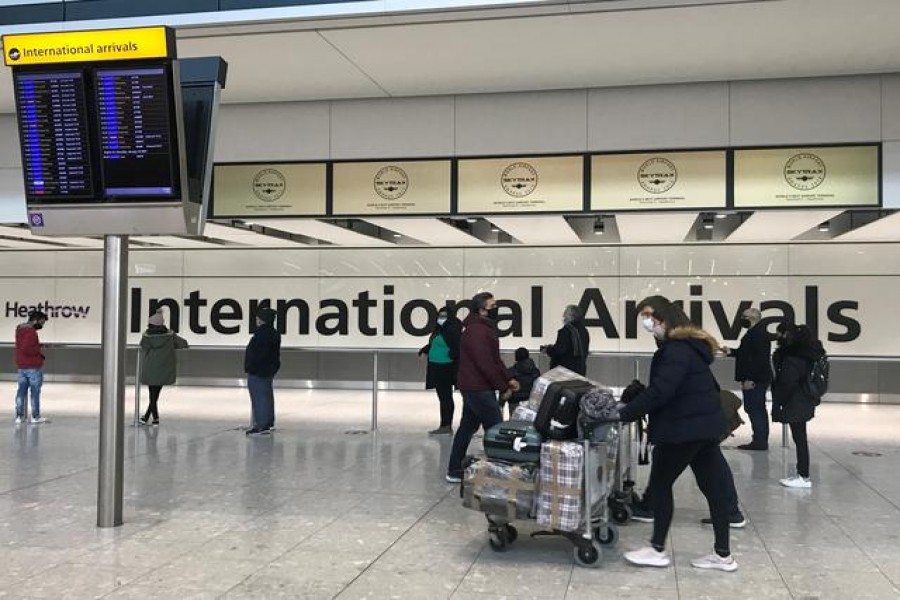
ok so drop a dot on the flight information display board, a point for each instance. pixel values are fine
(138, 149)
(55, 136)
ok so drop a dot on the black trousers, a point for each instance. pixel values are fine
(731, 495)
(669, 462)
(445, 397)
(798, 432)
(152, 410)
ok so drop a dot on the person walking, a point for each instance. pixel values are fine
(29, 358)
(262, 360)
(685, 422)
(753, 371)
(643, 509)
(158, 364)
(572, 342)
(481, 375)
(442, 352)
(797, 350)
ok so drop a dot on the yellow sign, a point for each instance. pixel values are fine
(88, 46)
(273, 190)
(392, 188)
(659, 180)
(821, 176)
(499, 185)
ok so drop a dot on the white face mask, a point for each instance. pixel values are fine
(649, 324)
(442, 320)
(659, 332)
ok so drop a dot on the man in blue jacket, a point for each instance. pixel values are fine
(753, 371)
(262, 360)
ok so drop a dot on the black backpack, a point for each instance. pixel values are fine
(815, 384)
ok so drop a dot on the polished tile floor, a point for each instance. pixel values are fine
(320, 510)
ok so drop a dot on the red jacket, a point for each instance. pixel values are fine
(480, 367)
(28, 348)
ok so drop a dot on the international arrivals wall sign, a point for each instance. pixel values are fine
(719, 179)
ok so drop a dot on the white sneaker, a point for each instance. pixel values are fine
(714, 561)
(35, 421)
(18, 420)
(648, 557)
(453, 479)
(796, 482)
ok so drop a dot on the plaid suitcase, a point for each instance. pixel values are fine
(560, 486)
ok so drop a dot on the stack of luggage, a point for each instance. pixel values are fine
(533, 469)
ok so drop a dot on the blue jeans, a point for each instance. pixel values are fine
(29, 379)
(480, 409)
(262, 399)
(755, 407)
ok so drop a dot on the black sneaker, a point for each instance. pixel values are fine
(737, 521)
(753, 446)
(642, 514)
(257, 432)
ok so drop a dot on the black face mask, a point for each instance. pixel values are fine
(745, 323)
(38, 326)
(493, 313)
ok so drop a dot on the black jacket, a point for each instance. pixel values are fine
(571, 348)
(438, 374)
(789, 403)
(682, 397)
(525, 372)
(263, 355)
(753, 357)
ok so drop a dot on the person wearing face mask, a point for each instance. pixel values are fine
(30, 366)
(685, 422)
(442, 352)
(481, 375)
(753, 370)
(797, 350)
(572, 342)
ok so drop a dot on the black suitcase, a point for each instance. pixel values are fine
(557, 417)
(513, 441)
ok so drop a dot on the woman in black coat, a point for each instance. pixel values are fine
(682, 403)
(797, 350)
(572, 343)
(442, 351)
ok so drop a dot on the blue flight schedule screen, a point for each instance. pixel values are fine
(54, 135)
(136, 134)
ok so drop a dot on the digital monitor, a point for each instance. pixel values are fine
(55, 136)
(138, 140)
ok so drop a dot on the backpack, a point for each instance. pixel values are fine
(815, 384)
(730, 405)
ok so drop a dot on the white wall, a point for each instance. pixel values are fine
(863, 274)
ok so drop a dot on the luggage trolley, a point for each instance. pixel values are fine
(624, 496)
(601, 445)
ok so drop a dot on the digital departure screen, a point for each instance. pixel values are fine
(54, 133)
(138, 149)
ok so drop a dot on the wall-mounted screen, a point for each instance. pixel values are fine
(55, 135)
(138, 139)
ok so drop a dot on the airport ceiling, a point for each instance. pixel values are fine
(502, 46)
(533, 46)
(760, 227)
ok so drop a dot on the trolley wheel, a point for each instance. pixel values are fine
(498, 538)
(621, 514)
(512, 534)
(606, 534)
(588, 556)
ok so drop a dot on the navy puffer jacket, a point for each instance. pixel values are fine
(682, 397)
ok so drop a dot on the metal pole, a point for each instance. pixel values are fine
(637, 369)
(785, 440)
(112, 382)
(137, 386)
(374, 425)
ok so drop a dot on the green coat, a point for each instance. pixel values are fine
(158, 357)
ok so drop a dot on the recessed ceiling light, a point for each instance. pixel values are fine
(599, 227)
(471, 219)
(397, 235)
(825, 227)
